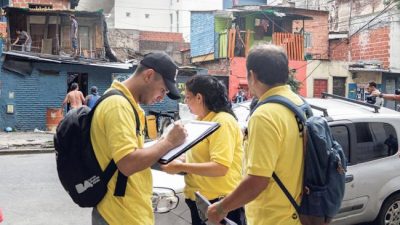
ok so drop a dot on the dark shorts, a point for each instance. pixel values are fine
(238, 216)
(74, 43)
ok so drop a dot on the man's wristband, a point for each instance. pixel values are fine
(380, 95)
(220, 209)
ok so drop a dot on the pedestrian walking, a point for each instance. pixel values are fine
(74, 98)
(93, 97)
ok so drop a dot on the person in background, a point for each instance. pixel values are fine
(391, 97)
(214, 166)
(93, 97)
(74, 98)
(25, 39)
(273, 146)
(373, 95)
(74, 35)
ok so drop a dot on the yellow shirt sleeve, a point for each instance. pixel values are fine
(121, 137)
(222, 144)
(264, 145)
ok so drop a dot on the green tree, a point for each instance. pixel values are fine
(295, 84)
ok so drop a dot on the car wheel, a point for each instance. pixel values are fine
(390, 211)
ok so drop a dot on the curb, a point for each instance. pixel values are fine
(26, 151)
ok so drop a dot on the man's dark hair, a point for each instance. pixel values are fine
(73, 16)
(269, 63)
(93, 90)
(372, 84)
(74, 86)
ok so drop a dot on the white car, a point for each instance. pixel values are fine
(370, 141)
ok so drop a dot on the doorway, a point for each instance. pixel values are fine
(339, 86)
(81, 79)
(320, 86)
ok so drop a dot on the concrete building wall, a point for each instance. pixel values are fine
(229, 3)
(159, 13)
(154, 15)
(321, 69)
(394, 62)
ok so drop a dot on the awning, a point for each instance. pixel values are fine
(358, 69)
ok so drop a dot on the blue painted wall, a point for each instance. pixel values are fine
(202, 33)
(36, 92)
(32, 95)
(228, 3)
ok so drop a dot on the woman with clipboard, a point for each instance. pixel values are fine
(214, 166)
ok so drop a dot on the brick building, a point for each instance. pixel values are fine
(221, 44)
(364, 40)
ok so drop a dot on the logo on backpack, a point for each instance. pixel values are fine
(324, 166)
(80, 188)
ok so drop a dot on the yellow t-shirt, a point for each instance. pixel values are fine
(113, 134)
(275, 144)
(224, 146)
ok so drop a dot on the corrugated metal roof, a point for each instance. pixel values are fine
(125, 66)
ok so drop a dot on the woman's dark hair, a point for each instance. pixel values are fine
(213, 91)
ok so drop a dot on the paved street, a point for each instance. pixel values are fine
(30, 193)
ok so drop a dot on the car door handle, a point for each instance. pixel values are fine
(349, 178)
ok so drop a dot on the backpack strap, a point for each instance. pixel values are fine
(301, 112)
(122, 180)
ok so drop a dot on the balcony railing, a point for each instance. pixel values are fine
(292, 43)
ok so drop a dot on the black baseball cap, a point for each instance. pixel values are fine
(164, 65)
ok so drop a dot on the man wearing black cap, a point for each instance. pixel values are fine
(114, 136)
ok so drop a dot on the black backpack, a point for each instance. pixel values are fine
(324, 166)
(77, 166)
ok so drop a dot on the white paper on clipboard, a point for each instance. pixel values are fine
(197, 131)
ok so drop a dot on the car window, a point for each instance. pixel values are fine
(375, 140)
(341, 135)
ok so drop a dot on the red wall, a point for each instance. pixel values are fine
(238, 75)
(301, 73)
